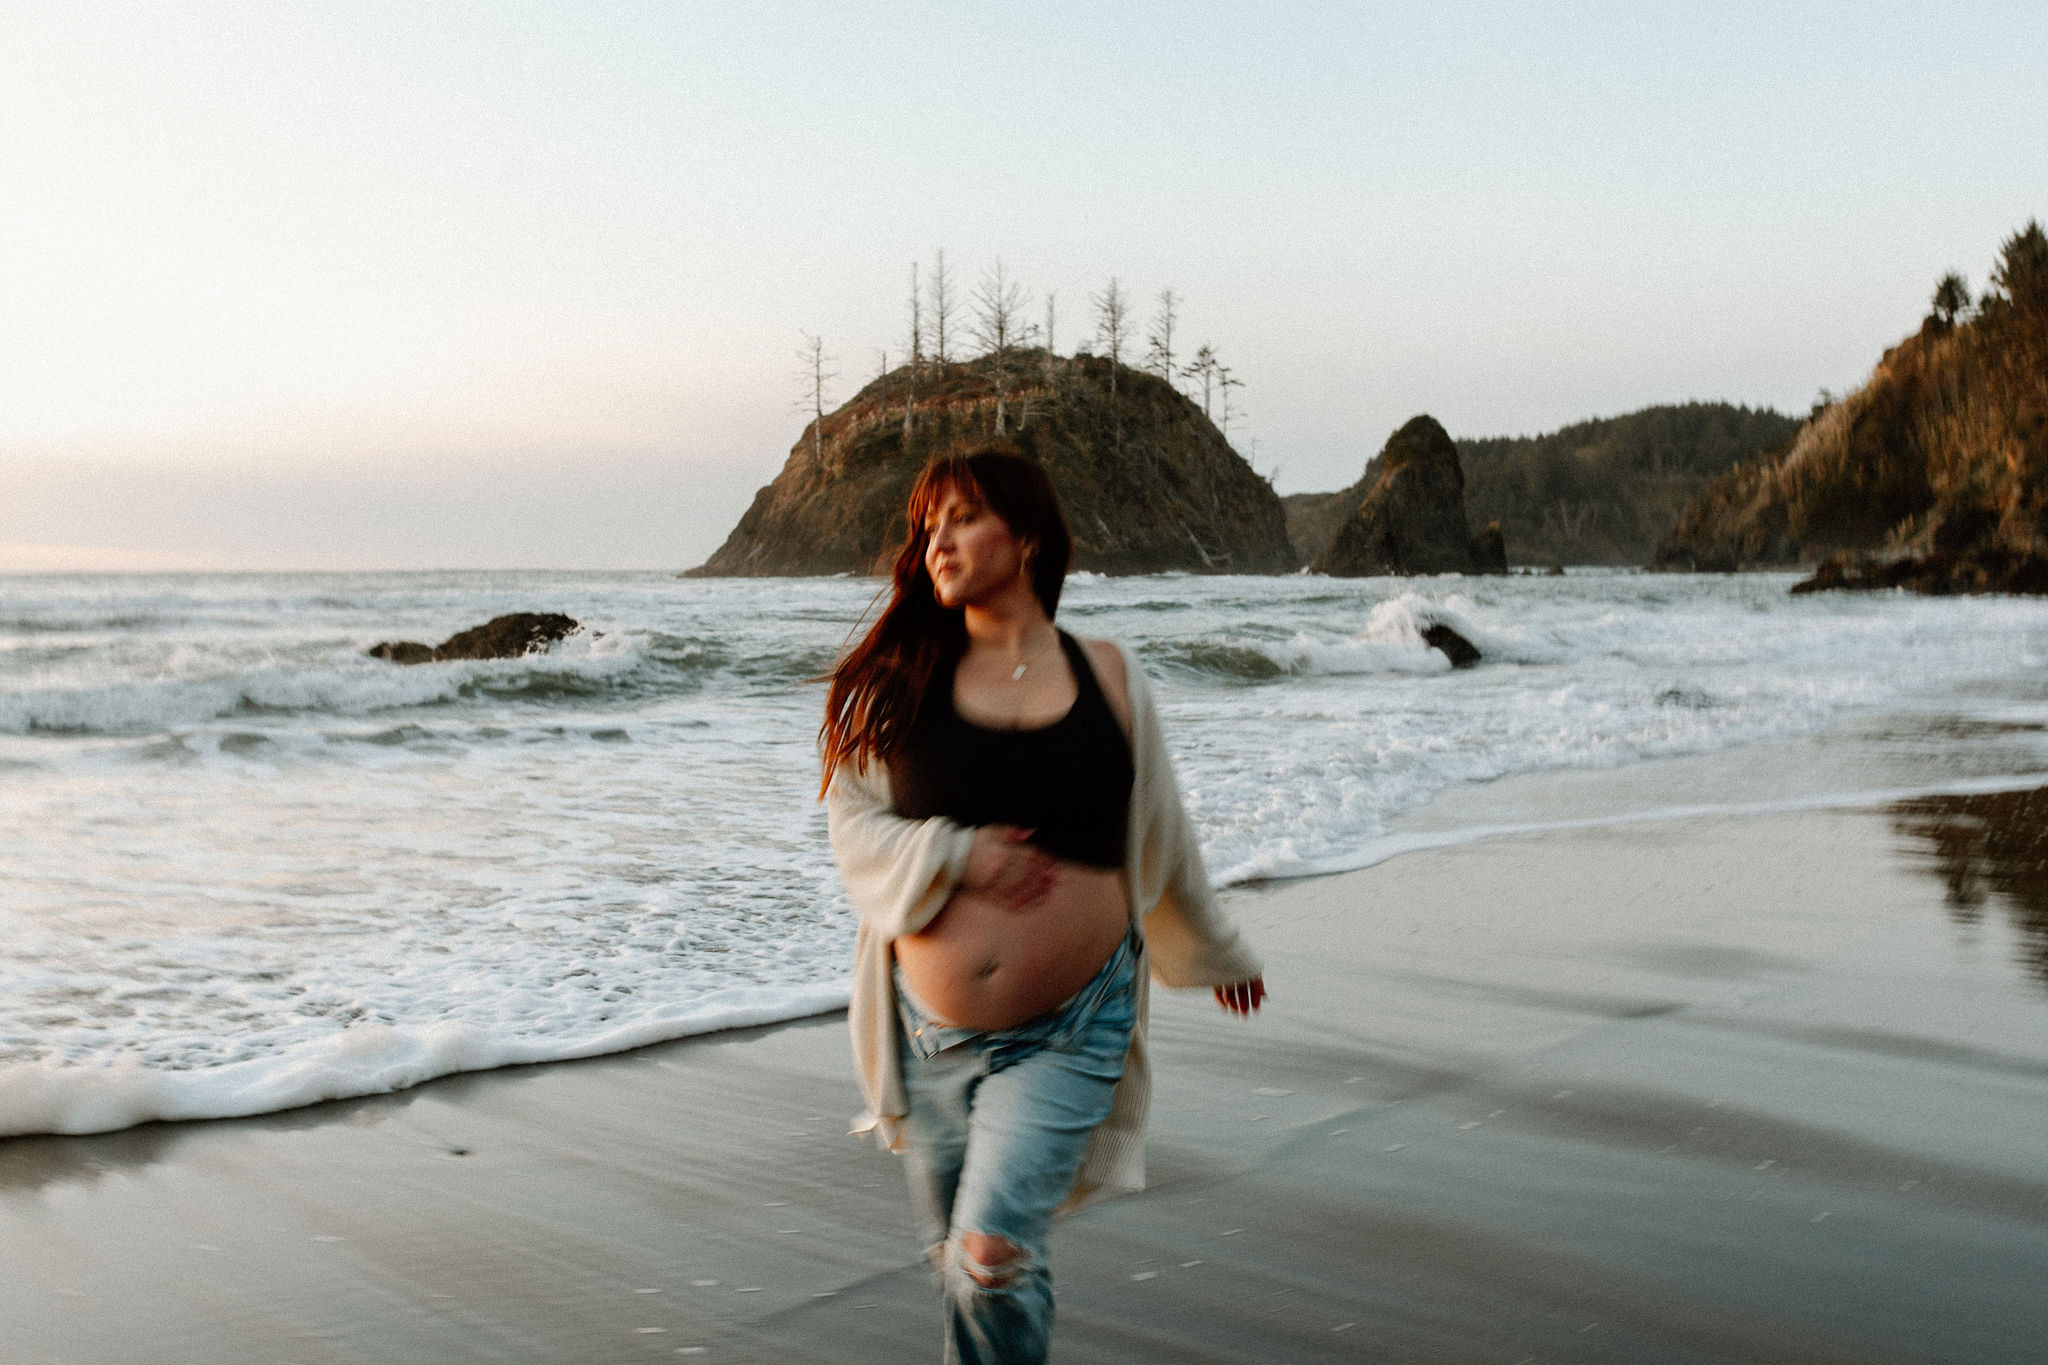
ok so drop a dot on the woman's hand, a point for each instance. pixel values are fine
(1003, 866)
(1242, 997)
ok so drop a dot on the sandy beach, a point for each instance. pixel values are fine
(1754, 1088)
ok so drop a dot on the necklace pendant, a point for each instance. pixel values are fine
(1017, 674)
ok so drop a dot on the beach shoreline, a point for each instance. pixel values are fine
(1712, 1088)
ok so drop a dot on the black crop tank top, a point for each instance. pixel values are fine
(1070, 781)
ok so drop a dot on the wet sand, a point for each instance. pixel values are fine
(1768, 1088)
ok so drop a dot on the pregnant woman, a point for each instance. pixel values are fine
(1007, 824)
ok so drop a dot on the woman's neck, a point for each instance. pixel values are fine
(1012, 627)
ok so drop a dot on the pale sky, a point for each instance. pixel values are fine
(369, 285)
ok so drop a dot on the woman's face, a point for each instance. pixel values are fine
(969, 551)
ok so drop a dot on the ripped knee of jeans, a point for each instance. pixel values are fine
(989, 1261)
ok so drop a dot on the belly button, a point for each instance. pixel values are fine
(988, 969)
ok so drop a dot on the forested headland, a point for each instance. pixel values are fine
(1934, 471)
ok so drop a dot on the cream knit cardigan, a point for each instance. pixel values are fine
(899, 874)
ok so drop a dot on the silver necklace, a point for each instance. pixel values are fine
(1017, 673)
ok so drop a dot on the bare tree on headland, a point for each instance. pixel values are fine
(1159, 344)
(814, 374)
(944, 302)
(1225, 382)
(1203, 367)
(916, 354)
(1112, 323)
(1112, 329)
(999, 328)
(1050, 369)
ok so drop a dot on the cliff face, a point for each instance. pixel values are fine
(1147, 482)
(1313, 518)
(1941, 455)
(1412, 521)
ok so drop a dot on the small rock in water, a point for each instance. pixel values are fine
(402, 652)
(1460, 651)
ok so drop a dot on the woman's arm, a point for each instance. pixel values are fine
(1191, 941)
(900, 873)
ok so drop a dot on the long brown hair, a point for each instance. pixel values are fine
(880, 683)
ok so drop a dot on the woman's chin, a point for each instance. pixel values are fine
(953, 591)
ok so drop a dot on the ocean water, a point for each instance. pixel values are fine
(245, 867)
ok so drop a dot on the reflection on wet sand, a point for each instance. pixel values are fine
(1989, 842)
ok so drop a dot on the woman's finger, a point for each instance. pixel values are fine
(1242, 997)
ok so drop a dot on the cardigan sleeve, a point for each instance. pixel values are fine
(898, 873)
(1190, 939)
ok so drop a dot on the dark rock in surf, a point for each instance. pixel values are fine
(1987, 569)
(502, 637)
(507, 637)
(1490, 550)
(1460, 651)
(1413, 519)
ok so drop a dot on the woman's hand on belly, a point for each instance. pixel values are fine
(1002, 866)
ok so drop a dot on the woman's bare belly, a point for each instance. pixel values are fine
(983, 965)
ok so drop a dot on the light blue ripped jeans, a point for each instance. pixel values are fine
(997, 1127)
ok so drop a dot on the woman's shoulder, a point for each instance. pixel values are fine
(1111, 674)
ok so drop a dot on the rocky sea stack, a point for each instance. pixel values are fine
(1148, 482)
(1932, 476)
(1412, 521)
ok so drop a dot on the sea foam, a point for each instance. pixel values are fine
(364, 1059)
(249, 868)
